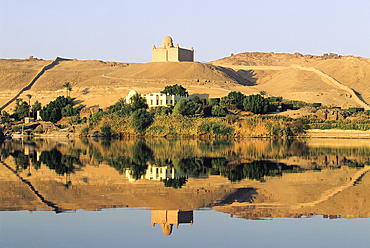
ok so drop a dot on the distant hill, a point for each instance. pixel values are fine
(293, 76)
(98, 83)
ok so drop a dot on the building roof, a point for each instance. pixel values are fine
(167, 42)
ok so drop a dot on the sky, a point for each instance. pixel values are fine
(125, 31)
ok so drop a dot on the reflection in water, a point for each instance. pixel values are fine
(253, 179)
(167, 218)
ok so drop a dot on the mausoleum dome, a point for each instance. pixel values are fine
(167, 42)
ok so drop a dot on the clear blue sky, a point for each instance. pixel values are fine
(125, 31)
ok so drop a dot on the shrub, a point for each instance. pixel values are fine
(84, 131)
(217, 110)
(214, 128)
(231, 118)
(356, 110)
(182, 107)
(286, 106)
(207, 110)
(141, 119)
(275, 99)
(5, 118)
(95, 118)
(256, 104)
(213, 101)
(21, 109)
(237, 98)
(121, 108)
(196, 99)
(176, 90)
(106, 130)
(316, 104)
(53, 110)
(160, 110)
(138, 102)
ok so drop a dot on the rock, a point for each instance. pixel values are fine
(86, 112)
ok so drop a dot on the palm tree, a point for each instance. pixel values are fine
(68, 87)
(29, 96)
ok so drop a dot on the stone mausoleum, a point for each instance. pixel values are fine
(168, 53)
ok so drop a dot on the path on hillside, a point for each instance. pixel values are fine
(52, 205)
(358, 99)
(39, 74)
(332, 192)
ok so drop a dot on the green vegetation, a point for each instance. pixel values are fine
(175, 183)
(212, 101)
(356, 124)
(356, 110)
(4, 118)
(189, 158)
(61, 107)
(176, 90)
(68, 87)
(35, 107)
(141, 119)
(217, 110)
(20, 110)
(256, 104)
(185, 107)
(207, 117)
(106, 130)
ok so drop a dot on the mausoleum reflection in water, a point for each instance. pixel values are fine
(252, 179)
(169, 218)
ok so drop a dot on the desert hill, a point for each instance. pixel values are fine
(304, 77)
(330, 79)
(100, 84)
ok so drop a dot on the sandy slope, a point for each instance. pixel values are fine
(278, 75)
(100, 84)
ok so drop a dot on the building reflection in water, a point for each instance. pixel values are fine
(156, 173)
(167, 218)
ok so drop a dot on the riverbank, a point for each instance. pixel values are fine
(337, 133)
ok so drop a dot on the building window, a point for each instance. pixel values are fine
(161, 102)
(157, 102)
(166, 101)
(151, 102)
(170, 101)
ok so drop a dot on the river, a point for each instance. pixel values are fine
(184, 192)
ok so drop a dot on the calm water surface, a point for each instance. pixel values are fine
(188, 193)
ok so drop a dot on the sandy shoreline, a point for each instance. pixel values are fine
(338, 134)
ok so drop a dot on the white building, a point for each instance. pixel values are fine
(157, 99)
(160, 99)
(156, 173)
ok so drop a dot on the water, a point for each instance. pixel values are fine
(255, 193)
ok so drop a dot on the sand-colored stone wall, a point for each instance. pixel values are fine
(186, 55)
(172, 54)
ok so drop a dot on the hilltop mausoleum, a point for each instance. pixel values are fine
(168, 53)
